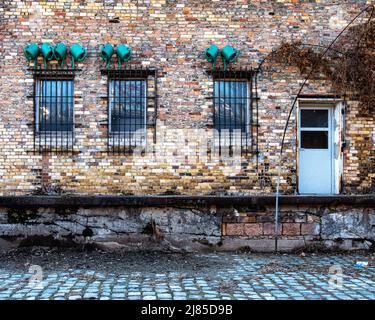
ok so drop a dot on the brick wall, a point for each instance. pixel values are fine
(168, 35)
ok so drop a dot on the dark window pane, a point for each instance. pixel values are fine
(54, 101)
(128, 105)
(314, 139)
(231, 105)
(314, 118)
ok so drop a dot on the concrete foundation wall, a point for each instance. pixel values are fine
(192, 227)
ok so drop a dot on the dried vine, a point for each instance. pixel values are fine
(349, 65)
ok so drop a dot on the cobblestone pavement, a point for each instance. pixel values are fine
(230, 276)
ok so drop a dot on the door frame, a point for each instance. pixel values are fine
(336, 126)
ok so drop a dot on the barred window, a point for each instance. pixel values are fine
(54, 114)
(132, 108)
(231, 106)
(232, 112)
(127, 114)
(127, 107)
(54, 105)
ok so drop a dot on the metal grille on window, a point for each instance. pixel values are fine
(234, 118)
(132, 106)
(54, 111)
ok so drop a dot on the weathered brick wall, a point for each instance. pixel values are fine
(168, 35)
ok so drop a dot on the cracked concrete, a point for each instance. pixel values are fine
(193, 228)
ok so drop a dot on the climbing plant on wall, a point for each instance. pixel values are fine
(349, 63)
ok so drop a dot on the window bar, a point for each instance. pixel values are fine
(251, 124)
(220, 113)
(156, 102)
(108, 113)
(142, 124)
(242, 117)
(40, 115)
(69, 116)
(63, 115)
(257, 124)
(128, 126)
(112, 99)
(47, 118)
(42, 131)
(45, 113)
(140, 118)
(62, 120)
(65, 132)
(113, 109)
(50, 116)
(144, 112)
(250, 120)
(138, 112)
(113, 106)
(214, 117)
(135, 106)
(135, 120)
(245, 105)
(132, 81)
(136, 101)
(231, 86)
(126, 109)
(225, 107)
(42, 99)
(119, 98)
(110, 102)
(138, 109)
(114, 115)
(35, 118)
(70, 131)
(120, 112)
(247, 117)
(243, 102)
(55, 126)
(216, 114)
(112, 131)
(218, 97)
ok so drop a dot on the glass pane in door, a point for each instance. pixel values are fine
(313, 118)
(314, 139)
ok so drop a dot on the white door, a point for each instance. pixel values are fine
(315, 166)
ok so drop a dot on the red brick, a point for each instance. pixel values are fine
(239, 219)
(310, 229)
(234, 229)
(291, 229)
(269, 229)
(248, 219)
(253, 229)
